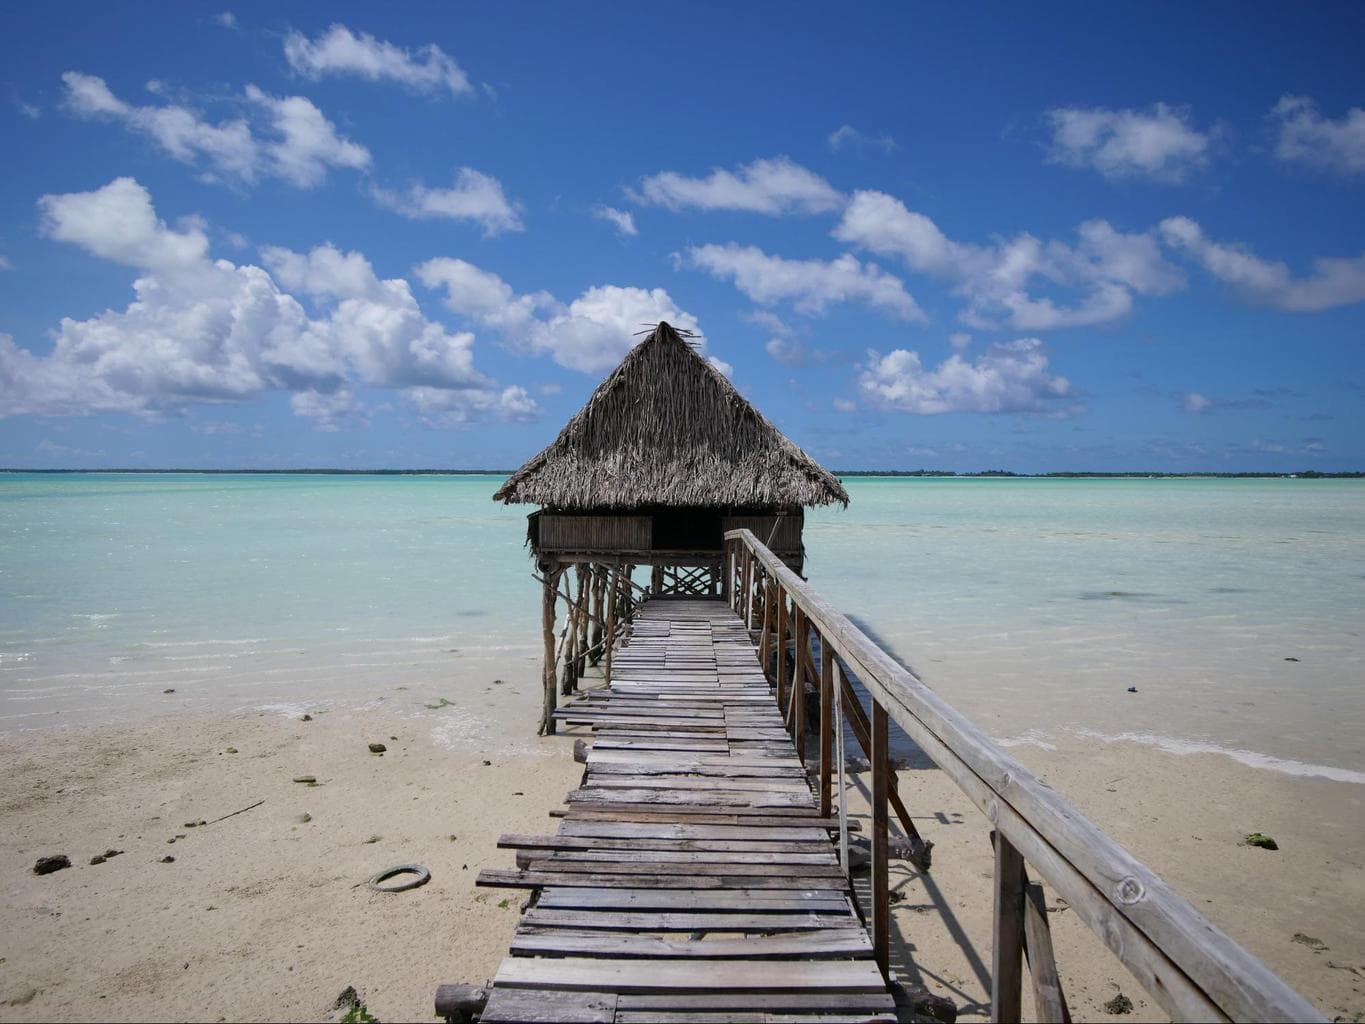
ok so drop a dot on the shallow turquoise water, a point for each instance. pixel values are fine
(1031, 604)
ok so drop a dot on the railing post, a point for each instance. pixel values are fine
(798, 699)
(881, 900)
(781, 646)
(1007, 959)
(826, 723)
(763, 640)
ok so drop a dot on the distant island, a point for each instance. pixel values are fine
(1306, 474)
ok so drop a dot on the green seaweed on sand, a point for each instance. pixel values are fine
(443, 703)
(1261, 840)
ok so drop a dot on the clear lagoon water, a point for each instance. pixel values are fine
(1236, 607)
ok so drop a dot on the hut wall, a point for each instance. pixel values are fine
(557, 532)
(779, 533)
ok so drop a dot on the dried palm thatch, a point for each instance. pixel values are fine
(666, 429)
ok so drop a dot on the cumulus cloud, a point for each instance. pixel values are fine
(210, 331)
(1195, 403)
(306, 143)
(1011, 377)
(622, 220)
(773, 187)
(1159, 144)
(329, 412)
(810, 285)
(291, 139)
(590, 334)
(848, 137)
(1105, 265)
(1334, 282)
(475, 196)
(339, 51)
(1305, 136)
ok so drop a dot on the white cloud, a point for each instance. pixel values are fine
(1334, 282)
(773, 187)
(307, 144)
(339, 51)
(786, 351)
(29, 110)
(622, 220)
(1008, 378)
(591, 334)
(205, 331)
(846, 136)
(1160, 144)
(1305, 136)
(328, 411)
(1194, 402)
(295, 142)
(474, 196)
(229, 148)
(226, 19)
(769, 321)
(1106, 266)
(844, 405)
(5, 263)
(811, 285)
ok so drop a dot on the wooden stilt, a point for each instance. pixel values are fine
(549, 595)
(598, 593)
(584, 574)
(613, 573)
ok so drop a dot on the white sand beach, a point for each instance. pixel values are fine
(266, 916)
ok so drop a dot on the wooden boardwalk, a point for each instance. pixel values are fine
(692, 877)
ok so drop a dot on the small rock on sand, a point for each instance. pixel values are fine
(171, 690)
(377, 748)
(168, 859)
(306, 779)
(97, 859)
(47, 865)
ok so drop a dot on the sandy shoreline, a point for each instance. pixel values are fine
(264, 916)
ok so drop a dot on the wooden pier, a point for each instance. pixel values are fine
(693, 876)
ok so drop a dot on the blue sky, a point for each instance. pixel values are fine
(1064, 237)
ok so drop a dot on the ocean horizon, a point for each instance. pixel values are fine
(1033, 604)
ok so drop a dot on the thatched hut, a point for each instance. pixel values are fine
(662, 460)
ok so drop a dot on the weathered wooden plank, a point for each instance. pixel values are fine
(774, 860)
(502, 879)
(775, 1002)
(731, 783)
(694, 798)
(819, 847)
(645, 865)
(787, 816)
(531, 940)
(638, 830)
(548, 1006)
(713, 900)
(591, 974)
(634, 921)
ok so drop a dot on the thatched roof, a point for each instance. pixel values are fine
(666, 428)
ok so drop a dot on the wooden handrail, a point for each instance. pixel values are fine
(1190, 967)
